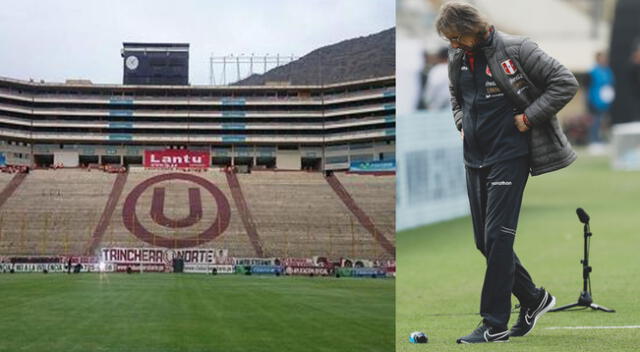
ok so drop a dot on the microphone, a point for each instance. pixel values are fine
(582, 215)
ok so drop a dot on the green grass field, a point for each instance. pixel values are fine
(193, 312)
(440, 272)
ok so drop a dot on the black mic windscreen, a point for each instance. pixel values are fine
(582, 215)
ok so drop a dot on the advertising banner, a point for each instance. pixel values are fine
(254, 261)
(373, 166)
(304, 262)
(208, 268)
(369, 272)
(344, 272)
(53, 264)
(308, 270)
(54, 267)
(96, 267)
(5, 267)
(39, 267)
(266, 269)
(141, 267)
(176, 158)
(361, 272)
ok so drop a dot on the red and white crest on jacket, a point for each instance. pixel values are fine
(508, 67)
(487, 71)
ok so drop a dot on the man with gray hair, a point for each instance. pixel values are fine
(505, 93)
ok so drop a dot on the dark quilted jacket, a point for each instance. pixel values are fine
(537, 84)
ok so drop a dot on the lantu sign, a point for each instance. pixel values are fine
(176, 158)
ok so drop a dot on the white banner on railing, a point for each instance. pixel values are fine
(163, 255)
(431, 184)
(54, 267)
(39, 267)
(208, 268)
(254, 261)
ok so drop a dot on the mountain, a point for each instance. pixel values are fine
(349, 60)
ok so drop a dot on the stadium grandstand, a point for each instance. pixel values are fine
(284, 127)
(294, 171)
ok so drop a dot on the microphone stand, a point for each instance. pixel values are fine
(585, 300)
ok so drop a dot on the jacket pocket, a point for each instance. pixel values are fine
(556, 137)
(556, 131)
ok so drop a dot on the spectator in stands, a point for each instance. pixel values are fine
(436, 95)
(506, 134)
(600, 96)
(427, 62)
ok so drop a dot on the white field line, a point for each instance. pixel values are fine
(593, 327)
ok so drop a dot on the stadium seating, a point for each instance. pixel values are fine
(234, 238)
(298, 214)
(5, 178)
(376, 195)
(53, 212)
(295, 214)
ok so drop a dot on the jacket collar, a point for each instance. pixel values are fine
(488, 46)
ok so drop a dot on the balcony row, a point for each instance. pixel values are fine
(390, 107)
(196, 100)
(61, 123)
(381, 133)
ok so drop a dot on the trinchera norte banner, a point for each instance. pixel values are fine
(163, 255)
(176, 158)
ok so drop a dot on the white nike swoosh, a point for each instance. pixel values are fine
(527, 317)
(488, 336)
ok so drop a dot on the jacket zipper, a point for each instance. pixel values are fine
(475, 109)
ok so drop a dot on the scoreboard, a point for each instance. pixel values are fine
(155, 63)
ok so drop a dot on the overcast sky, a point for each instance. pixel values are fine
(58, 40)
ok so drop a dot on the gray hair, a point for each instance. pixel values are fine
(462, 19)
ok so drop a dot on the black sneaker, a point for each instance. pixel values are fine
(529, 316)
(485, 333)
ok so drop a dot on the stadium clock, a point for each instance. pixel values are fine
(131, 62)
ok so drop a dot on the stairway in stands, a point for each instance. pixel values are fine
(107, 213)
(357, 211)
(11, 187)
(245, 213)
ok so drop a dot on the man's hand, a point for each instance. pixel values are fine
(520, 125)
(462, 134)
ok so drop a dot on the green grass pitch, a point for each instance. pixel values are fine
(440, 272)
(194, 312)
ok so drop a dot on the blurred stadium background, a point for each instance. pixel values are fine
(437, 257)
(572, 31)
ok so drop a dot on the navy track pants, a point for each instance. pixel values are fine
(495, 196)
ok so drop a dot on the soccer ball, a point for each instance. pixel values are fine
(418, 337)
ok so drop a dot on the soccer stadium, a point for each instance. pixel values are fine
(288, 189)
(260, 152)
